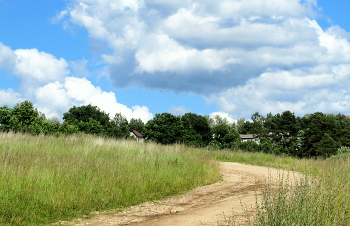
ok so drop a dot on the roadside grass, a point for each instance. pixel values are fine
(322, 198)
(45, 179)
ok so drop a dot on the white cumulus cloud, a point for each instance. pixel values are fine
(39, 67)
(10, 97)
(7, 58)
(45, 81)
(58, 97)
(247, 56)
(223, 115)
(178, 110)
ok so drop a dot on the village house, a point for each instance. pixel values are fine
(138, 136)
(249, 137)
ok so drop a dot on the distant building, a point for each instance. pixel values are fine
(138, 136)
(247, 137)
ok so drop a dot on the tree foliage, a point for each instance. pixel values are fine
(24, 117)
(119, 126)
(86, 114)
(164, 128)
(322, 136)
(224, 133)
(196, 130)
(137, 124)
(312, 135)
(87, 119)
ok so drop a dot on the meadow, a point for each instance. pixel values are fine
(45, 179)
(322, 198)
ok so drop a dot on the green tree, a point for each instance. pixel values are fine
(226, 135)
(88, 119)
(303, 122)
(24, 117)
(138, 125)
(196, 130)
(266, 145)
(85, 113)
(321, 124)
(244, 127)
(210, 120)
(247, 128)
(67, 129)
(343, 130)
(5, 117)
(119, 128)
(258, 128)
(240, 126)
(327, 146)
(164, 128)
(218, 120)
(249, 146)
(282, 130)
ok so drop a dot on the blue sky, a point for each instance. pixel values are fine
(141, 57)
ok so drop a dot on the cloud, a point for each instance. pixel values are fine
(80, 68)
(247, 56)
(10, 97)
(166, 55)
(297, 91)
(33, 68)
(58, 97)
(178, 110)
(200, 43)
(39, 68)
(7, 57)
(223, 115)
(44, 80)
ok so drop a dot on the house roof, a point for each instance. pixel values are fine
(137, 134)
(247, 136)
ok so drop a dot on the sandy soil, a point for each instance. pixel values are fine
(203, 206)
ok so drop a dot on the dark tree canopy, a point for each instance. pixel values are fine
(258, 125)
(312, 135)
(321, 124)
(88, 119)
(164, 128)
(86, 113)
(196, 130)
(137, 124)
(225, 135)
(5, 118)
(24, 117)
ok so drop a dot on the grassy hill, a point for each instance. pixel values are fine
(45, 179)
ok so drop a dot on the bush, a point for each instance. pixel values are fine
(342, 152)
(214, 145)
(265, 145)
(250, 146)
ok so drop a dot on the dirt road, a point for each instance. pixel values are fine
(203, 206)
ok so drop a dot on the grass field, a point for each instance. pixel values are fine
(323, 198)
(45, 179)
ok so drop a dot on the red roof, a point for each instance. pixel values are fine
(137, 134)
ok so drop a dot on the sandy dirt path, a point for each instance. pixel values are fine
(203, 206)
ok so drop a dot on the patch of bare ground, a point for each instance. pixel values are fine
(233, 199)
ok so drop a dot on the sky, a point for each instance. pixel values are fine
(141, 57)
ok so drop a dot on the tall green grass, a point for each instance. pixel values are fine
(46, 179)
(322, 198)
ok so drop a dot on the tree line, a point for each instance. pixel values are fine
(312, 135)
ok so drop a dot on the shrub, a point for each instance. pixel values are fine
(214, 145)
(342, 152)
(250, 146)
